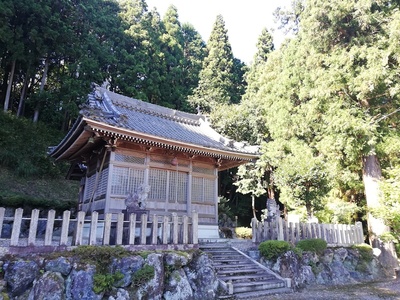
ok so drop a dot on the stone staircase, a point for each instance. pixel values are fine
(241, 276)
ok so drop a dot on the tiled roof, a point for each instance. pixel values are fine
(153, 120)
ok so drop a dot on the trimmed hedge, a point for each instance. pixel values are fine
(273, 249)
(315, 245)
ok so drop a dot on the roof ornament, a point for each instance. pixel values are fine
(106, 84)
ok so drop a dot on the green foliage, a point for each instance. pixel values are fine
(298, 251)
(224, 208)
(143, 275)
(100, 256)
(273, 249)
(23, 148)
(315, 245)
(29, 202)
(365, 252)
(105, 282)
(244, 232)
(221, 78)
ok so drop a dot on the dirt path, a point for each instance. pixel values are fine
(378, 290)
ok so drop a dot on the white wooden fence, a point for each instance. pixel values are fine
(90, 230)
(333, 234)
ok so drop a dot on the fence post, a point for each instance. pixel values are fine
(254, 230)
(120, 228)
(48, 236)
(33, 227)
(2, 211)
(154, 230)
(286, 227)
(175, 228)
(280, 230)
(185, 224)
(107, 228)
(360, 233)
(132, 229)
(16, 229)
(80, 220)
(93, 228)
(165, 228)
(143, 229)
(65, 227)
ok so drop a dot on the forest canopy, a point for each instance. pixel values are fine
(324, 106)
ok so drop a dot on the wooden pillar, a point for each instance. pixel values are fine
(80, 221)
(64, 228)
(48, 236)
(185, 231)
(165, 230)
(16, 229)
(33, 227)
(143, 229)
(2, 212)
(280, 229)
(132, 229)
(195, 225)
(189, 190)
(154, 230)
(175, 228)
(107, 228)
(254, 230)
(120, 228)
(93, 228)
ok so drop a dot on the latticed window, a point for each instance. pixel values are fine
(129, 159)
(101, 186)
(178, 182)
(158, 184)
(126, 180)
(167, 185)
(203, 189)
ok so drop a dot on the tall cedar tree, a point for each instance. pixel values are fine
(330, 95)
(217, 78)
(56, 48)
(172, 89)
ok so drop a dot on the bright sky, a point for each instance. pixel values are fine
(244, 20)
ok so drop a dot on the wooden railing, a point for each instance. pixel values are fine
(90, 230)
(333, 234)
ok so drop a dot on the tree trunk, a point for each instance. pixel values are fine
(9, 85)
(376, 227)
(42, 84)
(23, 95)
(253, 206)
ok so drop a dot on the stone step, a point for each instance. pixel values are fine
(232, 264)
(241, 287)
(247, 277)
(264, 293)
(231, 259)
(247, 270)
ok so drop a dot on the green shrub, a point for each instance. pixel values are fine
(143, 275)
(243, 232)
(365, 251)
(105, 282)
(315, 245)
(298, 251)
(273, 249)
(100, 256)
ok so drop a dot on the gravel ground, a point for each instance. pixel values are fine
(377, 290)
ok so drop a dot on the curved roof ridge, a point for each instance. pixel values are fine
(151, 109)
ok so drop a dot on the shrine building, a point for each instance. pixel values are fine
(120, 145)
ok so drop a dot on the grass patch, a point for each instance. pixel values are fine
(315, 245)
